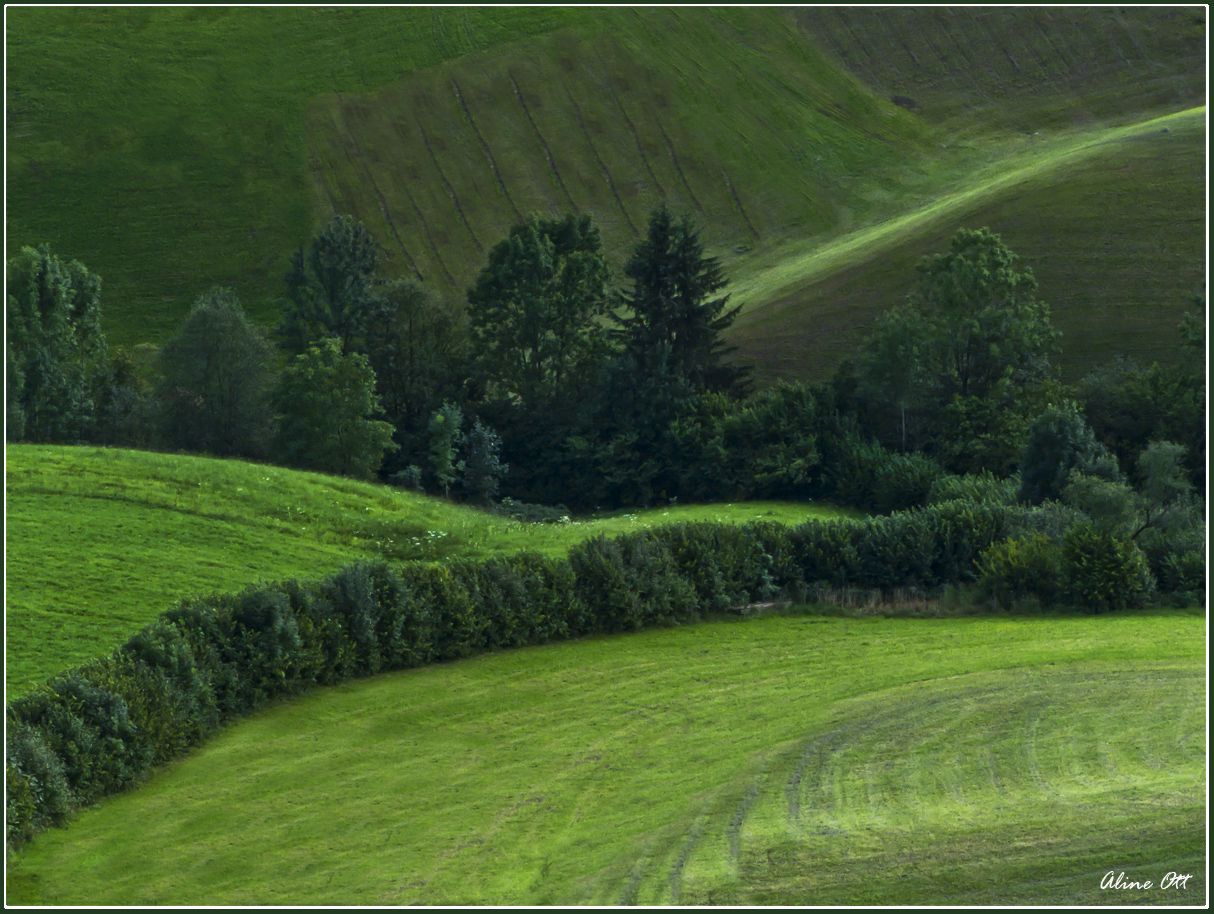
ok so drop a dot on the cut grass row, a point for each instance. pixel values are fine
(792, 760)
(100, 541)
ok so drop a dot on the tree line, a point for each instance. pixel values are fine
(556, 384)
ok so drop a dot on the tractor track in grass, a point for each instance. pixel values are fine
(677, 167)
(421, 129)
(577, 111)
(349, 135)
(544, 143)
(636, 137)
(501, 183)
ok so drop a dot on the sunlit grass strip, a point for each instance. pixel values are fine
(622, 768)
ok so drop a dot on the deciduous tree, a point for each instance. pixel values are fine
(216, 380)
(326, 400)
(536, 310)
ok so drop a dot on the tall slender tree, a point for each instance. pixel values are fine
(54, 347)
(675, 312)
(331, 290)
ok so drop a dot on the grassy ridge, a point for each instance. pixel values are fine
(714, 112)
(101, 541)
(1110, 221)
(793, 760)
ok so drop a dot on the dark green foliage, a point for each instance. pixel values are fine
(866, 475)
(631, 582)
(985, 323)
(536, 311)
(1019, 567)
(37, 794)
(675, 317)
(88, 727)
(170, 701)
(326, 400)
(1103, 570)
(1060, 441)
(984, 487)
(55, 352)
(962, 367)
(216, 379)
(483, 467)
(331, 292)
(1177, 558)
(729, 566)
(760, 447)
(1129, 406)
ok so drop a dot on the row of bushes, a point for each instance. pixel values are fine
(95, 730)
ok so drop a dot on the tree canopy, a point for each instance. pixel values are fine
(537, 307)
(216, 378)
(326, 400)
(56, 354)
(675, 312)
(331, 291)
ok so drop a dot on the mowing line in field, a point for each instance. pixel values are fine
(577, 112)
(485, 146)
(738, 203)
(383, 203)
(421, 220)
(636, 138)
(450, 190)
(677, 167)
(544, 143)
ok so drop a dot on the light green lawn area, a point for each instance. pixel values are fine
(783, 760)
(100, 541)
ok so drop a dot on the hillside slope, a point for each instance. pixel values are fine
(101, 541)
(206, 145)
(779, 761)
(1112, 223)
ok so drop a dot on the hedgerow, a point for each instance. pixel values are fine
(96, 730)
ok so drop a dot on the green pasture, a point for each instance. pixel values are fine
(207, 145)
(100, 541)
(786, 760)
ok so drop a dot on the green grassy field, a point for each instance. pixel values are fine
(783, 760)
(101, 541)
(213, 142)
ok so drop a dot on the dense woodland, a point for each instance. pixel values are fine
(561, 387)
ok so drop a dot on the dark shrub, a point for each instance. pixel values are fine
(1103, 569)
(37, 794)
(1028, 566)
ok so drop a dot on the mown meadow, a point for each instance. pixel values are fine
(785, 760)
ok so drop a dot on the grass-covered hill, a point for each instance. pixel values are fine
(100, 541)
(780, 761)
(205, 145)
